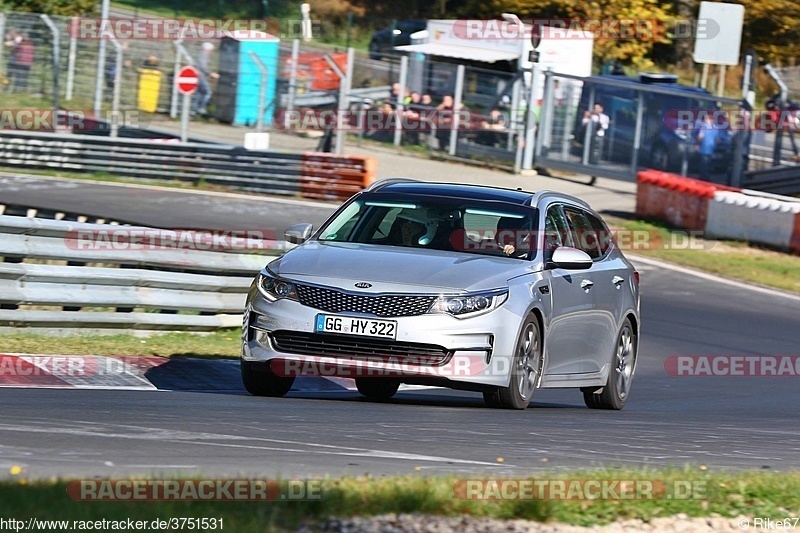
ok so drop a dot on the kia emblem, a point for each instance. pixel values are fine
(363, 285)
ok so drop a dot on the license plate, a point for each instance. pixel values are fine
(348, 325)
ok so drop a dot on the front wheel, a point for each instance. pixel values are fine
(615, 393)
(525, 373)
(260, 381)
(377, 389)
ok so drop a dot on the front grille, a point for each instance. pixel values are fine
(323, 344)
(379, 305)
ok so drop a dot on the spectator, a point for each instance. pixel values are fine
(493, 126)
(427, 100)
(111, 68)
(25, 54)
(706, 140)
(415, 98)
(12, 41)
(444, 121)
(598, 122)
(203, 94)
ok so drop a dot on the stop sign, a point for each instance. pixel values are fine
(187, 80)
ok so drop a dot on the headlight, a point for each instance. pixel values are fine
(469, 304)
(275, 288)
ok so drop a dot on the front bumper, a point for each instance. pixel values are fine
(478, 350)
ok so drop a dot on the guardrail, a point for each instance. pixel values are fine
(61, 274)
(784, 179)
(309, 174)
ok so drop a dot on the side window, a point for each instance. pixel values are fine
(604, 236)
(556, 231)
(583, 234)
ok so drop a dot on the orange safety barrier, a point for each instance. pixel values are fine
(681, 201)
(335, 177)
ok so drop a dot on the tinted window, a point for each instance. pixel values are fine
(556, 231)
(604, 236)
(584, 236)
(449, 224)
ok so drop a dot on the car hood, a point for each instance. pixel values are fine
(391, 268)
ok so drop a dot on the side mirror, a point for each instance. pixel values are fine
(298, 234)
(570, 259)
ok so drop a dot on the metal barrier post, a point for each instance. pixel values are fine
(548, 114)
(292, 81)
(180, 51)
(101, 63)
(56, 62)
(587, 136)
(73, 44)
(778, 147)
(456, 109)
(117, 89)
(530, 117)
(637, 133)
(512, 124)
(262, 93)
(2, 35)
(345, 80)
(401, 95)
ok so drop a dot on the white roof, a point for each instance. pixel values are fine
(461, 52)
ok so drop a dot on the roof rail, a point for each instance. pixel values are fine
(555, 194)
(388, 181)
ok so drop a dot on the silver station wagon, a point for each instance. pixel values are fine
(474, 288)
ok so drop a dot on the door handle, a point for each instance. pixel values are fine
(587, 284)
(617, 281)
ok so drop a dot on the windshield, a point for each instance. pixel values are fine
(470, 226)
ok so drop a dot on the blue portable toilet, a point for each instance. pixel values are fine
(239, 83)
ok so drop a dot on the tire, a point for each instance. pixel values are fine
(262, 382)
(377, 389)
(617, 389)
(526, 372)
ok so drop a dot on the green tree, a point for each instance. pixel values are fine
(52, 7)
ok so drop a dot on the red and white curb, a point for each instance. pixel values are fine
(144, 373)
(721, 212)
(76, 371)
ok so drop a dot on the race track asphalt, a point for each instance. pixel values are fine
(719, 422)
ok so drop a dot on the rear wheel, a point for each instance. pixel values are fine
(525, 373)
(617, 388)
(377, 388)
(260, 381)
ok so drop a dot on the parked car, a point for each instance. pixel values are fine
(665, 141)
(476, 288)
(384, 41)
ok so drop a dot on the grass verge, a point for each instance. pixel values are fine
(764, 494)
(218, 344)
(731, 259)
